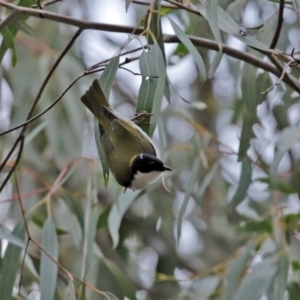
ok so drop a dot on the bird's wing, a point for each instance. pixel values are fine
(126, 133)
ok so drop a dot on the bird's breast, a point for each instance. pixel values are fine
(141, 180)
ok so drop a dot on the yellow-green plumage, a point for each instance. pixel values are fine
(121, 139)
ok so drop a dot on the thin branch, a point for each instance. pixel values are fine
(45, 4)
(201, 42)
(21, 141)
(279, 25)
(9, 18)
(61, 56)
(122, 54)
(46, 110)
(180, 5)
(21, 136)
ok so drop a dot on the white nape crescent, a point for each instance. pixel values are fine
(141, 180)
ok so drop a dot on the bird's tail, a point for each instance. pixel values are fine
(94, 99)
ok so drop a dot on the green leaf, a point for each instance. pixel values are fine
(295, 265)
(117, 212)
(74, 206)
(152, 89)
(244, 183)
(160, 88)
(48, 268)
(208, 179)
(257, 282)
(124, 284)
(228, 25)
(70, 292)
(263, 81)
(5, 234)
(212, 18)
(91, 217)
(106, 81)
(246, 135)
(189, 190)
(280, 280)
(258, 226)
(294, 290)
(103, 218)
(40, 223)
(206, 287)
(127, 4)
(192, 49)
(10, 264)
(9, 43)
(236, 268)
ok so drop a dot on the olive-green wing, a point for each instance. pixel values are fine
(126, 135)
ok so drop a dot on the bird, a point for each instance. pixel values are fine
(129, 151)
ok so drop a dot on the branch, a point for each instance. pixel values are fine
(279, 25)
(9, 18)
(21, 137)
(197, 41)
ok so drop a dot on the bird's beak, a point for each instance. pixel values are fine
(166, 168)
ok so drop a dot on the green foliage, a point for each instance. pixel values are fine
(223, 225)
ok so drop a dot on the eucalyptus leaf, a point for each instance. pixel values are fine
(48, 268)
(70, 292)
(116, 214)
(189, 190)
(106, 81)
(256, 283)
(192, 49)
(228, 25)
(244, 183)
(10, 264)
(212, 18)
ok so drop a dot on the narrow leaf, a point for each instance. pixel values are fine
(236, 268)
(91, 218)
(212, 18)
(5, 234)
(244, 183)
(106, 81)
(148, 89)
(127, 4)
(189, 190)
(228, 25)
(124, 284)
(10, 264)
(256, 283)
(9, 43)
(48, 269)
(116, 214)
(70, 292)
(192, 49)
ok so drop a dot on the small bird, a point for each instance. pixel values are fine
(130, 152)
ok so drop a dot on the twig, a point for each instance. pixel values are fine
(44, 111)
(21, 141)
(9, 18)
(279, 25)
(45, 4)
(122, 54)
(180, 5)
(21, 136)
(280, 78)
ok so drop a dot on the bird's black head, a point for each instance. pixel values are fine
(146, 163)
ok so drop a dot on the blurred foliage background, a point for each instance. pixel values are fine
(228, 226)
